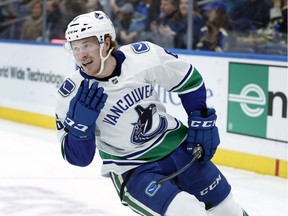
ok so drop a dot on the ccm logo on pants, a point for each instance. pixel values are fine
(211, 187)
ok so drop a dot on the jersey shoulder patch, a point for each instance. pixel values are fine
(67, 88)
(140, 47)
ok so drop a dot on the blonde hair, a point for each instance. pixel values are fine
(114, 44)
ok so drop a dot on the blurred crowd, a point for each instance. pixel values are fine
(246, 26)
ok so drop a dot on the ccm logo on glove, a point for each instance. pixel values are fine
(79, 127)
(204, 124)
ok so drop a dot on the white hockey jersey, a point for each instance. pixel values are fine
(133, 127)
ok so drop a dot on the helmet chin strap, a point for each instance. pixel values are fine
(103, 59)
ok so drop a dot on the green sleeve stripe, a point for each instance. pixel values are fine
(193, 82)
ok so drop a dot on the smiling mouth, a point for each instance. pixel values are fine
(86, 63)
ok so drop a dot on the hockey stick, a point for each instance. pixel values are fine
(197, 153)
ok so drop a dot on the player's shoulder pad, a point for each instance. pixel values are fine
(67, 87)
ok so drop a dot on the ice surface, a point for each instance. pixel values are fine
(36, 181)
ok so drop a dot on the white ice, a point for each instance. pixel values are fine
(36, 181)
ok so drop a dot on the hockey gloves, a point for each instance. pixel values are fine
(202, 131)
(84, 110)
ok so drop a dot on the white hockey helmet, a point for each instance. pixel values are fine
(95, 23)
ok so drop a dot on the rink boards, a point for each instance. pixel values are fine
(249, 93)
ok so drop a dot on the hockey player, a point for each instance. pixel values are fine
(110, 103)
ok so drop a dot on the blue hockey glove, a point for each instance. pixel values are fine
(203, 131)
(84, 110)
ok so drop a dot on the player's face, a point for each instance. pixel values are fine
(86, 53)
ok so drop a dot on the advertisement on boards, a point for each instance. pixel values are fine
(31, 74)
(257, 101)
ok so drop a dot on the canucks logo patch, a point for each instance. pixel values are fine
(67, 88)
(142, 128)
(140, 47)
(152, 189)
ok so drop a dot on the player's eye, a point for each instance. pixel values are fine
(76, 49)
(87, 46)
